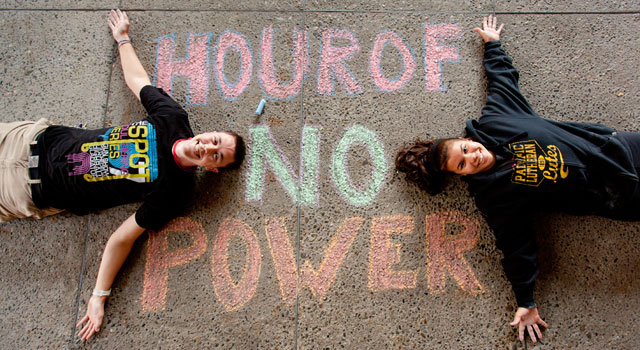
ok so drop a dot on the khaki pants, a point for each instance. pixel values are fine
(15, 189)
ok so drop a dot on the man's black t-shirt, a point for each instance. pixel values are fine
(84, 170)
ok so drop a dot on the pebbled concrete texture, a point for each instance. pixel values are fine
(54, 65)
(566, 6)
(41, 267)
(259, 267)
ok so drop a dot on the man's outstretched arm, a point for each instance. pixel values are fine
(115, 253)
(134, 74)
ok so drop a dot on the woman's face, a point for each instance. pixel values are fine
(466, 157)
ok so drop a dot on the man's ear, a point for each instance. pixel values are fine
(213, 170)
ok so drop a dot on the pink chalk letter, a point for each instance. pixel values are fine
(375, 67)
(194, 66)
(230, 40)
(270, 83)
(435, 53)
(332, 63)
(231, 294)
(160, 259)
(445, 252)
(383, 254)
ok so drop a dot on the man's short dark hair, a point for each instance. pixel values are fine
(240, 151)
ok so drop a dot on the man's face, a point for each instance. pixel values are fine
(211, 150)
(466, 157)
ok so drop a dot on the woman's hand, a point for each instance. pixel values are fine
(529, 319)
(488, 31)
(119, 24)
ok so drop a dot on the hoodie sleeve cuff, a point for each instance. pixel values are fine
(492, 44)
(524, 297)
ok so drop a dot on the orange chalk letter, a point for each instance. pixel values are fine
(444, 252)
(382, 254)
(160, 259)
(319, 281)
(283, 258)
(231, 294)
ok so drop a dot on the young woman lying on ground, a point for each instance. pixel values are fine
(517, 164)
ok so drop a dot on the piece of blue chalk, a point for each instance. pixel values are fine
(260, 106)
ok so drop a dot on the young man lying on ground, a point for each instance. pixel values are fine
(50, 168)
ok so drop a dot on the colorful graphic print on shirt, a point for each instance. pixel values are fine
(533, 164)
(125, 152)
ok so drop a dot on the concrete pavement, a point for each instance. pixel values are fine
(316, 242)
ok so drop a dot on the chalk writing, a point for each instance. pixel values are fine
(264, 150)
(382, 254)
(283, 258)
(230, 293)
(332, 63)
(303, 190)
(358, 135)
(195, 66)
(160, 259)
(375, 68)
(231, 40)
(270, 84)
(435, 53)
(318, 281)
(445, 252)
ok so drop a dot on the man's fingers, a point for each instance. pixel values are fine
(86, 317)
(83, 330)
(484, 23)
(88, 333)
(500, 29)
(515, 322)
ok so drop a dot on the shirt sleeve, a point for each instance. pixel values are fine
(161, 206)
(504, 98)
(157, 102)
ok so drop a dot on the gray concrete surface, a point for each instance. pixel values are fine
(258, 267)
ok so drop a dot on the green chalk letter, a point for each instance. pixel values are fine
(360, 135)
(264, 149)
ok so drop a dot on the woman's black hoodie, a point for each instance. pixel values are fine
(542, 165)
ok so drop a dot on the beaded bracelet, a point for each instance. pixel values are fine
(122, 42)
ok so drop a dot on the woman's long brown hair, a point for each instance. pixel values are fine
(414, 161)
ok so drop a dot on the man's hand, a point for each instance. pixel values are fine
(115, 252)
(93, 318)
(119, 24)
(529, 319)
(488, 31)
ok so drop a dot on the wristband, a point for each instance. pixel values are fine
(101, 293)
(122, 42)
